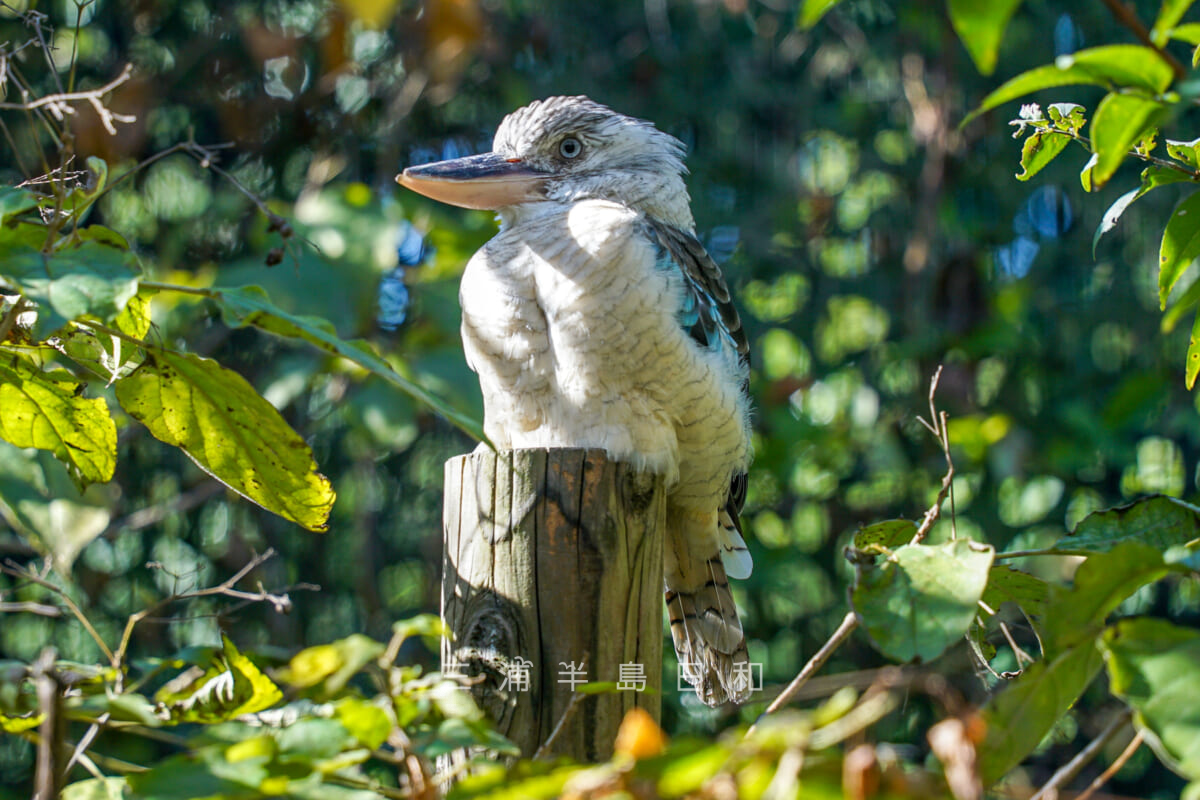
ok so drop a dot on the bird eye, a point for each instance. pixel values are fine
(570, 147)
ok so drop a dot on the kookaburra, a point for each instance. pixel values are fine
(595, 319)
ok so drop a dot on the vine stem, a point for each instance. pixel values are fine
(1072, 768)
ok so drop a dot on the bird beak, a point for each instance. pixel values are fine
(487, 181)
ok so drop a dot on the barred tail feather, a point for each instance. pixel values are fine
(704, 624)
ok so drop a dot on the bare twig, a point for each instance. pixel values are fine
(576, 698)
(223, 588)
(1068, 771)
(849, 623)
(937, 426)
(1113, 768)
(85, 742)
(59, 104)
(39, 609)
(1125, 15)
(11, 568)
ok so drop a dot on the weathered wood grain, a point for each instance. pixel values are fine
(554, 556)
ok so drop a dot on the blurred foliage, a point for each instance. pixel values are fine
(867, 236)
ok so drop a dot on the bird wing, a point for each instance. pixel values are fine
(710, 318)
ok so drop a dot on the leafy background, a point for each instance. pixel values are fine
(867, 236)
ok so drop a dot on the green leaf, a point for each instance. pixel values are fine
(1102, 583)
(1169, 13)
(1006, 584)
(1180, 245)
(333, 664)
(1167, 524)
(1109, 220)
(1154, 666)
(1185, 152)
(1110, 66)
(14, 201)
(922, 598)
(1188, 32)
(40, 501)
(97, 789)
(1192, 362)
(91, 278)
(981, 27)
(1119, 121)
(18, 724)
(1152, 178)
(888, 534)
(812, 11)
(1085, 174)
(250, 305)
(230, 431)
(1020, 716)
(232, 686)
(367, 723)
(1039, 150)
(47, 411)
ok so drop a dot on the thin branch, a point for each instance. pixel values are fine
(11, 568)
(30, 608)
(1068, 771)
(59, 104)
(849, 623)
(576, 698)
(281, 602)
(937, 426)
(1125, 15)
(1113, 768)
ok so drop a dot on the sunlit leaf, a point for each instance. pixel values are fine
(1119, 121)
(1192, 363)
(1154, 666)
(97, 789)
(333, 664)
(48, 411)
(19, 724)
(367, 723)
(232, 686)
(639, 736)
(1039, 150)
(1188, 32)
(1180, 245)
(1185, 152)
(1152, 178)
(981, 27)
(922, 598)
(1169, 13)
(812, 11)
(250, 305)
(230, 431)
(1113, 65)
(888, 534)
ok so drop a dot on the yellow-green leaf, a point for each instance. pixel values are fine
(1039, 150)
(812, 11)
(230, 431)
(1192, 368)
(1128, 65)
(47, 411)
(981, 27)
(229, 688)
(1170, 12)
(1119, 121)
(1180, 245)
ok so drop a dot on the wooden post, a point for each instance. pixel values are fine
(555, 557)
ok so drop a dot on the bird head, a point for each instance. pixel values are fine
(562, 150)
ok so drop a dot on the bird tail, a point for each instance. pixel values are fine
(704, 620)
